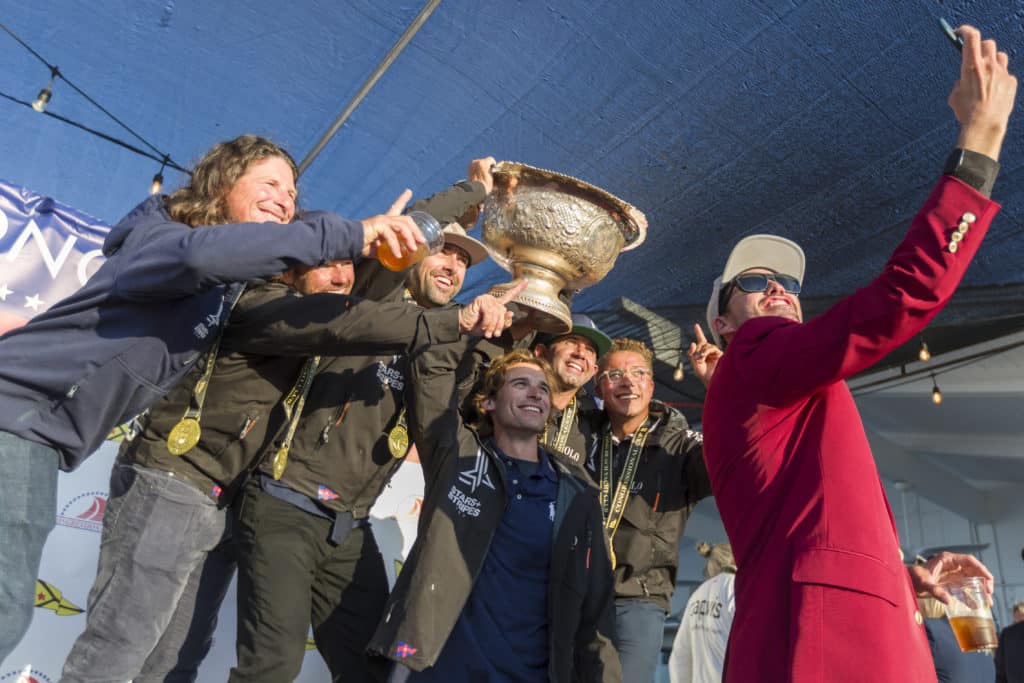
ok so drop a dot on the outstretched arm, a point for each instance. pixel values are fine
(924, 271)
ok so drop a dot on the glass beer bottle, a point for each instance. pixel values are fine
(433, 234)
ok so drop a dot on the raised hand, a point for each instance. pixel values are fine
(480, 170)
(487, 315)
(703, 356)
(393, 228)
(983, 97)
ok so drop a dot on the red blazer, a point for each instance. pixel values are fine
(821, 592)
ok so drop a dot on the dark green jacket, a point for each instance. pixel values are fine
(270, 332)
(339, 455)
(670, 480)
(574, 452)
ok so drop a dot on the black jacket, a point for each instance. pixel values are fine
(457, 523)
(270, 332)
(670, 480)
(1010, 655)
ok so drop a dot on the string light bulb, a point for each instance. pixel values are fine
(936, 393)
(924, 355)
(43, 98)
(158, 179)
(677, 374)
(46, 94)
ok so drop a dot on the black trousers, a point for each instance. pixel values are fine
(291, 575)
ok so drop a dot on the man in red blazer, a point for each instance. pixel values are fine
(821, 592)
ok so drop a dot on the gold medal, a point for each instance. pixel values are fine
(398, 441)
(184, 436)
(280, 461)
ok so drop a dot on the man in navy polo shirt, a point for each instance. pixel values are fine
(510, 577)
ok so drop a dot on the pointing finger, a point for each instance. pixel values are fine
(511, 294)
(698, 332)
(399, 205)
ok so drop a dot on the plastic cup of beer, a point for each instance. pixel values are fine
(432, 233)
(970, 615)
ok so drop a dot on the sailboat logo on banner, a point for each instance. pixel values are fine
(84, 511)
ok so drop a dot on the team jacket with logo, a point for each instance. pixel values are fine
(463, 506)
(670, 480)
(339, 455)
(271, 330)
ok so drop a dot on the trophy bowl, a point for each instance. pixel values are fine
(559, 233)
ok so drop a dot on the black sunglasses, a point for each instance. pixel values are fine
(753, 283)
(758, 282)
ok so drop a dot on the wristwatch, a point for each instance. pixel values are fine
(975, 169)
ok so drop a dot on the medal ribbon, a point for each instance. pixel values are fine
(565, 424)
(293, 404)
(185, 433)
(614, 508)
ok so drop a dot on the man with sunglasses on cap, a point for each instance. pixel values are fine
(649, 468)
(573, 358)
(822, 594)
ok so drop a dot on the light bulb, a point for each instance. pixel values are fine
(43, 99)
(677, 374)
(936, 394)
(924, 355)
(158, 184)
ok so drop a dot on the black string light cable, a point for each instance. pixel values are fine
(46, 93)
(99, 134)
(933, 372)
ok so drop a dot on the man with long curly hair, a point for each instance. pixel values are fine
(175, 265)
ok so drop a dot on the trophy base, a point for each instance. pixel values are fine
(539, 305)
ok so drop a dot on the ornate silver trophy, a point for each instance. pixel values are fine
(559, 232)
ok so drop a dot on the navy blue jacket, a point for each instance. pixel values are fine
(108, 351)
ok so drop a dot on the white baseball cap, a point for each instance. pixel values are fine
(775, 253)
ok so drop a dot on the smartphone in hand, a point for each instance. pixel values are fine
(957, 41)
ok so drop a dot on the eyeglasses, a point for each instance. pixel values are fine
(752, 283)
(615, 376)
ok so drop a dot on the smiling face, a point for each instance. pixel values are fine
(630, 396)
(264, 194)
(522, 403)
(436, 280)
(742, 306)
(573, 359)
(336, 277)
